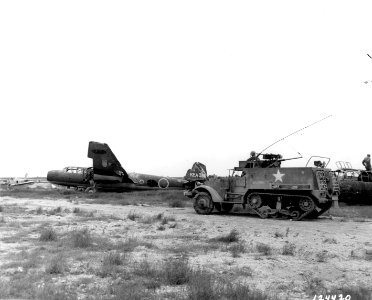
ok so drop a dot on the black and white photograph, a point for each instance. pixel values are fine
(185, 150)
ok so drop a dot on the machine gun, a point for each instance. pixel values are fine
(275, 160)
(269, 160)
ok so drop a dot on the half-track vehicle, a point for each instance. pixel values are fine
(267, 189)
(355, 184)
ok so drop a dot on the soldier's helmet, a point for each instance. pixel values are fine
(253, 153)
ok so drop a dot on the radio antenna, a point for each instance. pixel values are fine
(293, 134)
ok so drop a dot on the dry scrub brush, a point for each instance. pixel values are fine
(231, 237)
(110, 263)
(81, 238)
(132, 243)
(289, 249)
(57, 265)
(263, 249)
(47, 235)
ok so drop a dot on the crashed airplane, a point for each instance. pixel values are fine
(107, 174)
(13, 182)
(355, 184)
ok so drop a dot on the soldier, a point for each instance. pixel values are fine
(253, 160)
(367, 162)
(253, 156)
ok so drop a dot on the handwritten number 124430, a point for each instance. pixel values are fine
(332, 297)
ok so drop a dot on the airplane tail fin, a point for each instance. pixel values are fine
(198, 172)
(104, 160)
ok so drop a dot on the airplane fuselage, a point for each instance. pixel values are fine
(108, 174)
(81, 177)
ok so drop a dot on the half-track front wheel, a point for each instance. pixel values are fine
(203, 203)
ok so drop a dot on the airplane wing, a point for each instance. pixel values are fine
(105, 161)
(22, 183)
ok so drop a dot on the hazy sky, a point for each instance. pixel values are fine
(167, 83)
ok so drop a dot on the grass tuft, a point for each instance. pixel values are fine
(81, 238)
(52, 291)
(231, 237)
(278, 234)
(113, 259)
(164, 221)
(321, 256)
(145, 269)
(161, 228)
(240, 291)
(264, 249)
(289, 249)
(245, 271)
(56, 211)
(133, 216)
(204, 285)
(236, 249)
(147, 220)
(201, 286)
(48, 235)
(57, 265)
(173, 225)
(110, 263)
(132, 243)
(131, 291)
(330, 241)
(76, 210)
(177, 270)
(159, 216)
(313, 285)
(174, 271)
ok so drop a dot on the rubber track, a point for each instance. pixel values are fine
(256, 210)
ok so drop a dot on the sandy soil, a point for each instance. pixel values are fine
(328, 249)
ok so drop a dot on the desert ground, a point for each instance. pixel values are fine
(62, 244)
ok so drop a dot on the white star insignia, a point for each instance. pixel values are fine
(278, 176)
